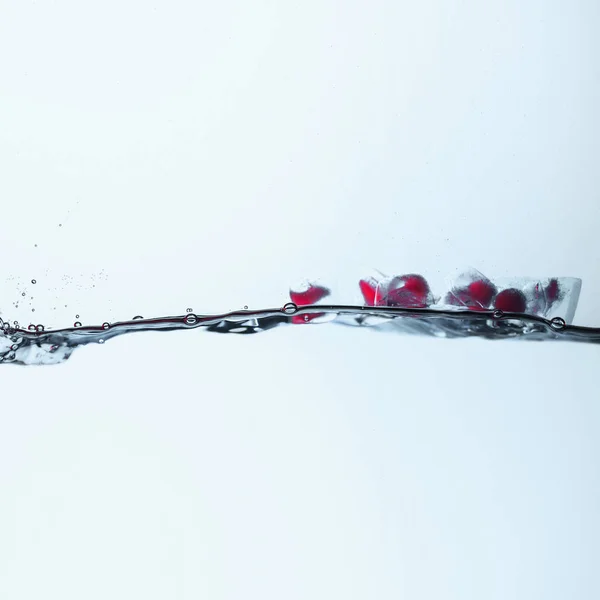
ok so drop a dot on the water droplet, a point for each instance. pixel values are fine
(105, 325)
(39, 328)
(558, 324)
(77, 324)
(289, 308)
(101, 341)
(137, 318)
(33, 281)
(188, 310)
(498, 314)
(191, 319)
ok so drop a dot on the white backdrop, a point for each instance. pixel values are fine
(159, 156)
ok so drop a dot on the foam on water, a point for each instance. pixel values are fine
(517, 309)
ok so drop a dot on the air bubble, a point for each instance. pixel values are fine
(23, 293)
(77, 316)
(498, 314)
(101, 341)
(105, 325)
(39, 328)
(33, 281)
(558, 324)
(245, 307)
(137, 317)
(289, 308)
(77, 324)
(31, 327)
(191, 319)
(306, 318)
(188, 310)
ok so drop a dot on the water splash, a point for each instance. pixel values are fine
(473, 307)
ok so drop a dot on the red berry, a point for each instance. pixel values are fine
(310, 296)
(511, 300)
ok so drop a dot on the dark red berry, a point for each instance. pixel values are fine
(481, 292)
(511, 300)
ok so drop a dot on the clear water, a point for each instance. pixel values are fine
(473, 306)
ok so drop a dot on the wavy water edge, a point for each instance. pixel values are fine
(24, 347)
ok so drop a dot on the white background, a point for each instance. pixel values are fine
(159, 156)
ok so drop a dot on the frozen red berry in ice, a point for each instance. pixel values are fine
(417, 284)
(477, 295)
(412, 293)
(368, 288)
(552, 291)
(312, 295)
(482, 292)
(511, 300)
